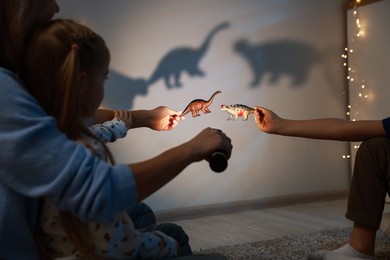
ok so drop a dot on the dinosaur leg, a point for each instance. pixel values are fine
(167, 83)
(255, 82)
(206, 110)
(177, 80)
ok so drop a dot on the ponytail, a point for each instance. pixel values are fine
(58, 52)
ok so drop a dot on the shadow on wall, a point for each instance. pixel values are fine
(274, 59)
(121, 90)
(278, 58)
(183, 59)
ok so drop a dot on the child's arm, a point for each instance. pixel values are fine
(110, 131)
(323, 128)
(161, 118)
(103, 115)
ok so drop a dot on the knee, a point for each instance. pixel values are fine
(374, 145)
(174, 231)
(374, 152)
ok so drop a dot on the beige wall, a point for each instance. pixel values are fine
(369, 63)
(299, 40)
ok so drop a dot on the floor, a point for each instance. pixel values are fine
(263, 224)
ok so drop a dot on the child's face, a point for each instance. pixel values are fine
(93, 92)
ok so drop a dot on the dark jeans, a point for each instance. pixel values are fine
(370, 182)
(142, 216)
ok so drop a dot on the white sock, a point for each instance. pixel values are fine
(348, 250)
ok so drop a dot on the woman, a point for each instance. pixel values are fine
(38, 160)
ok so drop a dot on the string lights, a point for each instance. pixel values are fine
(355, 78)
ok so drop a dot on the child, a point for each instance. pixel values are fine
(65, 68)
(370, 177)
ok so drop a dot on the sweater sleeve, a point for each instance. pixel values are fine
(386, 125)
(38, 160)
(110, 131)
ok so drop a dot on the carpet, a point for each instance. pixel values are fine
(297, 246)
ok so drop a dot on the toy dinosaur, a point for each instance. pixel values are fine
(197, 105)
(237, 110)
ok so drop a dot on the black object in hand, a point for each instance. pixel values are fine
(218, 161)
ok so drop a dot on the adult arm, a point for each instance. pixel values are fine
(323, 128)
(173, 161)
(38, 160)
(152, 174)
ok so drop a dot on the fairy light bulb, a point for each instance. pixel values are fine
(355, 81)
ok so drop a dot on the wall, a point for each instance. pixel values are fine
(369, 62)
(295, 48)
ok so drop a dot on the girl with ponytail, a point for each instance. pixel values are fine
(65, 69)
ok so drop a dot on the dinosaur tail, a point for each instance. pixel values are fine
(186, 110)
(203, 48)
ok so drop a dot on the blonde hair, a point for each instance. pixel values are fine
(58, 51)
(17, 19)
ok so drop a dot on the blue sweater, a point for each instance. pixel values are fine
(37, 160)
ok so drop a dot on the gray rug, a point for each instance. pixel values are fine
(296, 246)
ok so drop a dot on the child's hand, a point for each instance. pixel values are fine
(266, 120)
(165, 119)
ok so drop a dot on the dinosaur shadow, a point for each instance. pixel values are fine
(121, 90)
(279, 58)
(183, 59)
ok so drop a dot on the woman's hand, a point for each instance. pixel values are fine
(208, 141)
